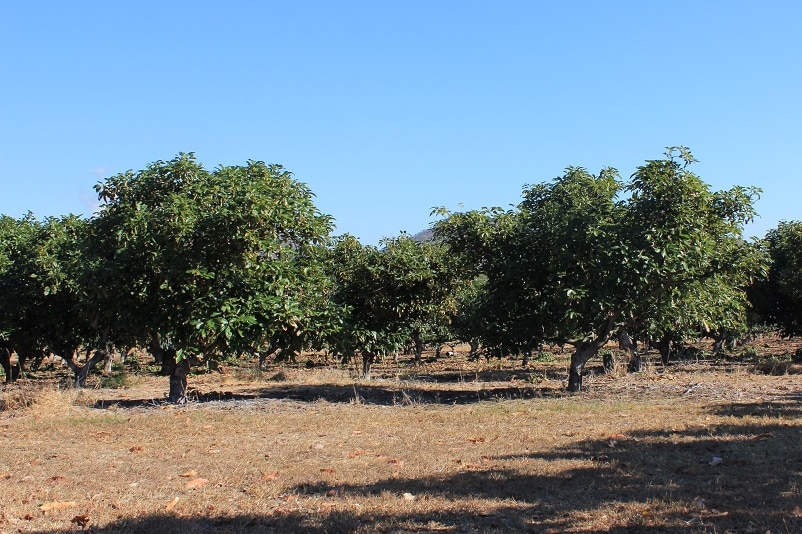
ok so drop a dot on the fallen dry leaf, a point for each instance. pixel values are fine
(196, 483)
(477, 440)
(269, 476)
(356, 453)
(137, 449)
(172, 504)
(57, 505)
(396, 461)
(190, 474)
(327, 471)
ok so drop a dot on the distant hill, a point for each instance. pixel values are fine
(423, 235)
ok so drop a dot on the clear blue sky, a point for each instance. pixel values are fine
(387, 108)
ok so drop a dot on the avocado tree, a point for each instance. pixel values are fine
(390, 295)
(41, 292)
(585, 255)
(686, 253)
(778, 298)
(542, 261)
(16, 238)
(469, 322)
(193, 264)
(492, 311)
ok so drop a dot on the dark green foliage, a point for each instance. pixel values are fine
(390, 296)
(778, 298)
(41, 294)
(585, 254)
(195, 263)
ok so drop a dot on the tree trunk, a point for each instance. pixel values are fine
(286, 355)
(177, 372)
(5, 361)
(664, 347)
(585, 350)
(178, 383)
(417, 339)
(579, 358)
(367, 361)
(81, 372)
(263, 356)
(474, 352)
(108, 361)
(722, 341)
(608, 360)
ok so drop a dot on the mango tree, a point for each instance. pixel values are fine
(193, 264)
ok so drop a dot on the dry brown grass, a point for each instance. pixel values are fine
(43, 399)
(453, 446)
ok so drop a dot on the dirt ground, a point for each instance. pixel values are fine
(703, 445)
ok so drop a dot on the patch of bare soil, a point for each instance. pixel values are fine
(702, 445)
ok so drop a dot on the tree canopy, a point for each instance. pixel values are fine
(778, 297)
(192, 262)
(391, 295)
(584, 255)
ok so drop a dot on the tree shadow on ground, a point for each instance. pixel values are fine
(362, 393)
(740, 476)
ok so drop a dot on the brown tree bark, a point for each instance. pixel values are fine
(367, 362)
(585, 350)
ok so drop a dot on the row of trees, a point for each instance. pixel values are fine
(193, 264)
